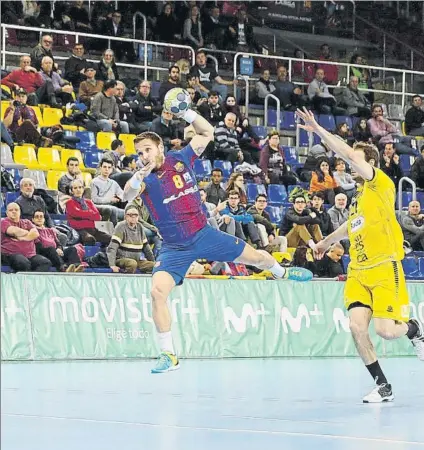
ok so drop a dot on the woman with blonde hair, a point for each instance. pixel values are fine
(107, 68)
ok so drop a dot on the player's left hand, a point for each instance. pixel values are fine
(308, 118)
(319, 250)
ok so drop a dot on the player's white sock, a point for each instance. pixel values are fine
(277, 270)
(165, 342)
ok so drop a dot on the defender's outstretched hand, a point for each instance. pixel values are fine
(319, 249)
(310, 124)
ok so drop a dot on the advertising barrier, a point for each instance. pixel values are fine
(46, 317)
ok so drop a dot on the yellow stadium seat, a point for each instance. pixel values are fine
(4, 106)
(52, 116)
(105, 139)
(37, 111)
(25, 154)
(87, 178)
(6, 89)
(128, 140)
(403, 128)
(49, 159)
(65, 154)
(53, 178)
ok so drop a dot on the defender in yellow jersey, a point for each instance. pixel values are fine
(375, 287)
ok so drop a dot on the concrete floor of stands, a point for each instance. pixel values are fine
(248, 404)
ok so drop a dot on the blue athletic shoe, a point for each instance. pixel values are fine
(166, 363)
(298, 274)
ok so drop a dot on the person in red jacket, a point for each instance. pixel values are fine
(27, 78)
(81, 215)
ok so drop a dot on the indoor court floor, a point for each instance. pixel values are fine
(238, 404)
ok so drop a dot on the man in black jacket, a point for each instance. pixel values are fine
(144, 108)
(325, 223)
(300, 225)
(414, 117)
(167, 130)
(114, 27)
(330, 266)
(212, 111)
(75, 66)
(417, 170)
(172, 82)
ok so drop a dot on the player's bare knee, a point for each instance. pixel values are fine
(385, 328)
(158, 294)
(358, 329)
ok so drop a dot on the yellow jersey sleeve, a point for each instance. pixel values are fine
(374, 233)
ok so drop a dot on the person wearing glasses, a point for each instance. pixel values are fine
(90, 87)
(44, 48)
(128, 249)
(300, 226)
(76, 66)
(114, 27)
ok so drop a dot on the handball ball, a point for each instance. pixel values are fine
(177, 101)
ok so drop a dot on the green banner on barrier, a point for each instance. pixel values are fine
(80, 316)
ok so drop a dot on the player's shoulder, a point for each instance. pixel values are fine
(380, 181)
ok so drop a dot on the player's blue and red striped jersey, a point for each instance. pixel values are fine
(172, 196)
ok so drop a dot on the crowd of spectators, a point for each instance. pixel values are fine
(323, 187)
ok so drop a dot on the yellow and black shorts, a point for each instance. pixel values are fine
(381, 288)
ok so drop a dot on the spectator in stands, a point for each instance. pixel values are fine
(344, 133)
(331, 70)
(214, 191)
(172, 82)
(90, 87)
(414, 117)
(166, 29)
(361, 131)
(44, 48)
(107, 68)
(245, 225)
(193, 83)
(330, 266)
(344, 179)
(304, 71)
(62, 89)
(128, 249)
(101, 12)
(76, 65)
(412, 225)
(144, 108)
(18, 243)
(212, 111)
(289, 94)
(339, 215)
(300, 226)
(64, 183)
(6, 137)
(214, 29)
(106, 193)
(317, 152)
(114, 27)
(12, 13)
(115, 155)
(417, 170)
(273, 162)
(265, 227)
(389, 164)
(264, 86)
(105, 109)
(384, 132)
(196, 99)
(236, 183)
(323, 102)
(166, 128)
(209, 79)
(226, 143)
(48, 245)
(363, 75)
(323, 181)
(354, 100)
(325, 224)
(81, 215)
(241, 37)
(21, 121)
(129, 163)
(302, 257)
(80, 18)
(28, 79)
(125, 111)
(193, 28)
(29, 203)
(150, 230)
(212, 211)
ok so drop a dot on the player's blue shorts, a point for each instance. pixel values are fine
(209, 243)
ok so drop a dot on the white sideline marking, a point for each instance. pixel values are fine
(228, 430)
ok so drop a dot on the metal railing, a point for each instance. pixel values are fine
(403, 73)
(134, 20)
(414, 191)
(266, 110)
(144, 64)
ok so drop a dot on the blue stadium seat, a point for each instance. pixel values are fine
(16, 176)
(292, 158)
(344, 119)
(91, 250)
(58, 217)
(202, 168)
(87, 140)
(406, 198)
(303, 138)
(225, 166)
(11, 197)
(257, 107)
(92, 158)
(327, 121)
(154, 90)
(277, 194)
(288, 121)
(253, 190)
(410, 267)
(421, 267)
(275, 213)
(260, 131)
(272, 118)
(3, 209)
(345, 261)
(317, 139)
(420, 198)
(406, 162)
(6, 269)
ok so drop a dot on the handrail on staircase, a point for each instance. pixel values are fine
(414, 190)
(266, 110)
